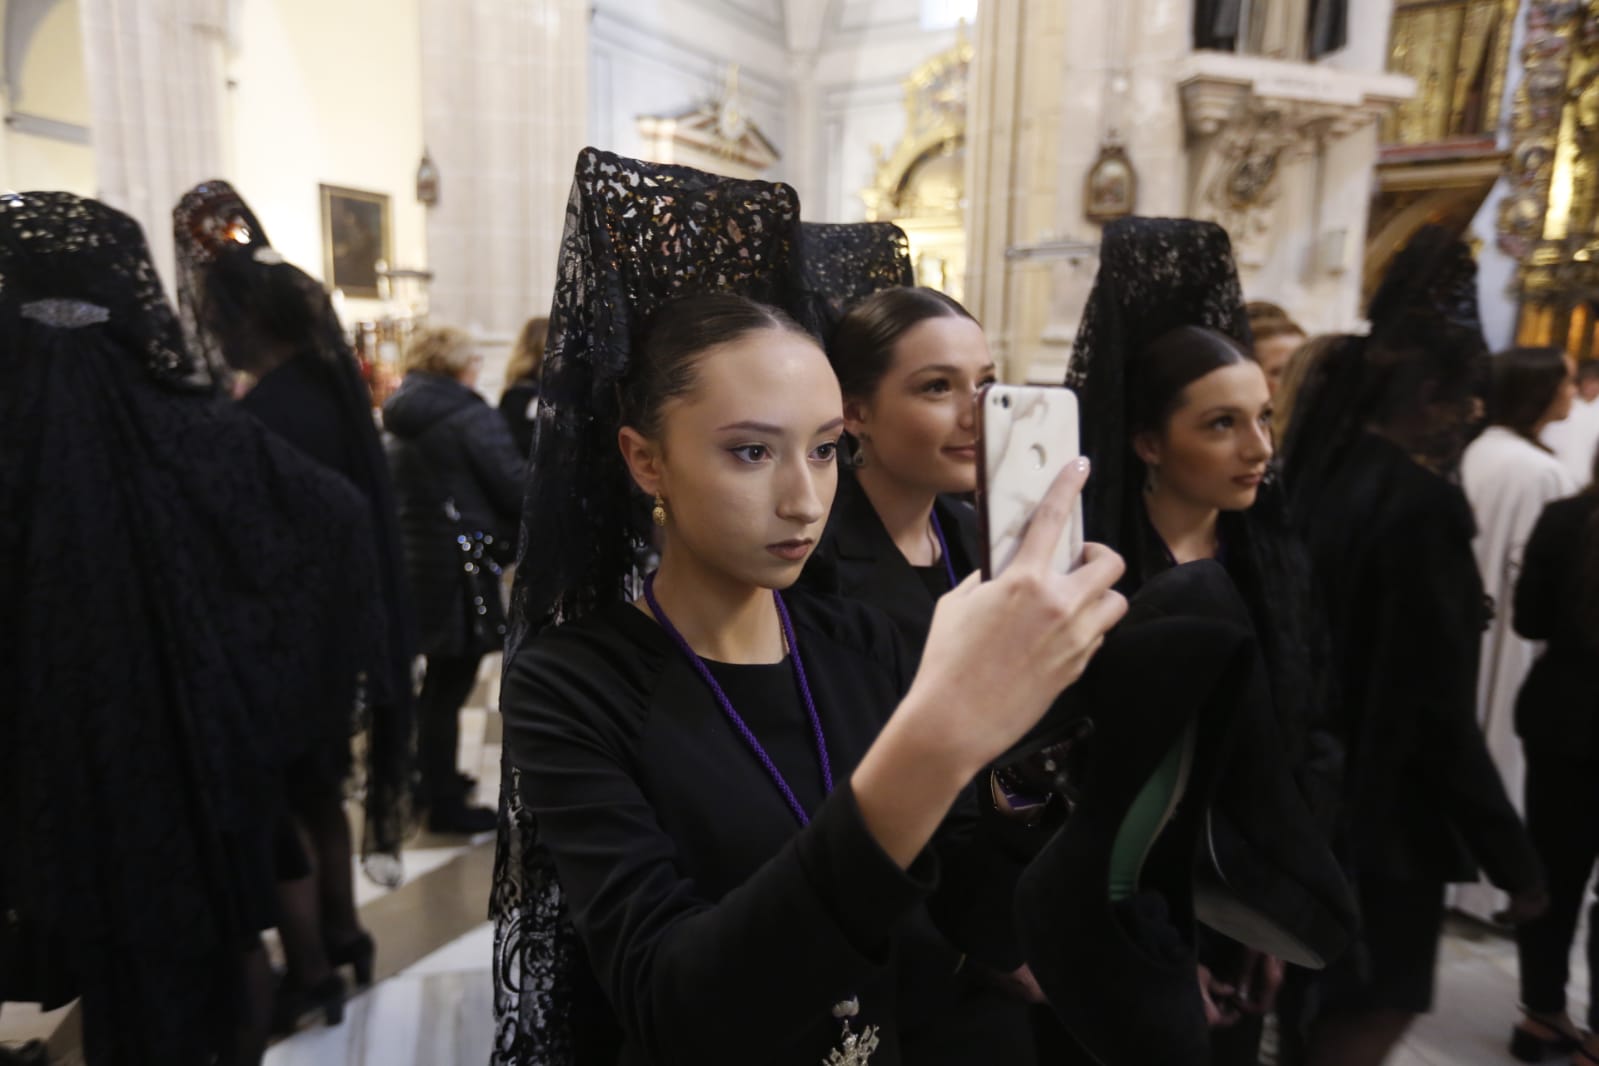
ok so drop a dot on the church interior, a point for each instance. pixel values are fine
(415, 157)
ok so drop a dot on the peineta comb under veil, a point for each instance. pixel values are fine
(637, 235)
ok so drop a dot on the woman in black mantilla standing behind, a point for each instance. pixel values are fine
(187, 598)
(911, 363)
(1176, 417)
(254, 315)
(1369, 461)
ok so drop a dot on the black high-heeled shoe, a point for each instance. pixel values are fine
(1527, 1046)
(293, 1001)
(1122, 974)
(358, 954)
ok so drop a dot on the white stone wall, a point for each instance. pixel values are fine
(44, 144)
(824, 84)
(1087, 69)
(653, 57)
(326, 94)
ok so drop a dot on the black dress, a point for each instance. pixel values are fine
(1423, 803)
(719, 930)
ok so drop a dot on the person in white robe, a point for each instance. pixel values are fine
(1575, 438)
(1508, 477)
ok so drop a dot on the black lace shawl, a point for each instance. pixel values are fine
(1426, 337)
(845, 262)
(178, 585)
(637, 235)
(213, 225)
(1154, 276)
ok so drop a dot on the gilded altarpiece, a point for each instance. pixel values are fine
(921, 184)
(1550, 221)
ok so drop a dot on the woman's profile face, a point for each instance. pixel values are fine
(1560, 407)
(747, 459)
(1215, 446)
(1274, 354)
(920, 425)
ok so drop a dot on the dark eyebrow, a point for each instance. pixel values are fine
(948, 368)
(753, 427)
(775, 431)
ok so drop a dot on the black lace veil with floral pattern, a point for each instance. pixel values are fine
(845, 262)
(1155, 274)
(1423, 364)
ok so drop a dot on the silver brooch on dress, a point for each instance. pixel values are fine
(66, 314)
(857, 1049)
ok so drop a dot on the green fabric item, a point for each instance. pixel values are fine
(1147, 817)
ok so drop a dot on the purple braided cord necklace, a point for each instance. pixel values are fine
(943, 548)
(733, 716)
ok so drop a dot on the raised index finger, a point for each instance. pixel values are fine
(1055, 512)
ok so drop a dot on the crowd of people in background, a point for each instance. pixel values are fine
(800, 784)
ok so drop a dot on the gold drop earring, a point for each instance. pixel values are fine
(659, 514)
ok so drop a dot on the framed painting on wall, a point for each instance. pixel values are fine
(355, 239)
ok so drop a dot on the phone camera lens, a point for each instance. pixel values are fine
(1004, 401)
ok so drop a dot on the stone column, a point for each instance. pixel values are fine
(505, 88)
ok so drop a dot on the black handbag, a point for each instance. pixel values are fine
(479, 561)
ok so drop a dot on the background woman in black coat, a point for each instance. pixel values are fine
(1382, 422)
(520, 400)
(1557, 718)
(458, 473)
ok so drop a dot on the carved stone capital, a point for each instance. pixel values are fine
(1248, 117)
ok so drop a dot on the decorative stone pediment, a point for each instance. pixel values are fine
(717, 135)
(1248, 117)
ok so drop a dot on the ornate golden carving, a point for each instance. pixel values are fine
(921, 184)
(1459, 53)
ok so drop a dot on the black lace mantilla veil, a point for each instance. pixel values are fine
(174, 591)
(637, 235)
(1424, 326)
(212, 222)
(211, 216)
(845, 262)
(1155, 274)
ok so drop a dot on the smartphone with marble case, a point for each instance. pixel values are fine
(1026, 436)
